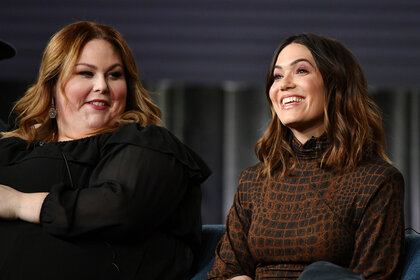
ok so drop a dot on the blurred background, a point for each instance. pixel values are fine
(206, 61)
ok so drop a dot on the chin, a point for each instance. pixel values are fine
(289, 123)
(98, 123)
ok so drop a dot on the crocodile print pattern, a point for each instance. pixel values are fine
(353, 219)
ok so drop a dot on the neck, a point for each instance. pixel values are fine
(304, 136)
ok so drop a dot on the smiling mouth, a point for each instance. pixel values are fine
(98, 103)
(292, 99)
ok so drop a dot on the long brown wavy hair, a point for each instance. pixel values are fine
(58, 62)
(353, 121)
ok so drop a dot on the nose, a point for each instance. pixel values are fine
(287, 82)
(100, 84)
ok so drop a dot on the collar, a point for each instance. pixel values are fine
(313, 148)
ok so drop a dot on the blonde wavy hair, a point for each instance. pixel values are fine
(353, 121)
(58, 62)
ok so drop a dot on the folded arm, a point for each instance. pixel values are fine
(131, 188)
(18, 205)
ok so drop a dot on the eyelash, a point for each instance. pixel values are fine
(298, 71)
(115, 75)
(85, 73)
(277, 76)
(112, 75)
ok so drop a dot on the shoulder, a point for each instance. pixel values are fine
(151, 137)
(379, 170)
(249, 179)
(136, 134)
(12, 149)
(251, 172)
(159, 140)
(11, 140)
(376, 176)
(12, 143)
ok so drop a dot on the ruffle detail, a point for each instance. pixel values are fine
(161, 140)
(89, 150)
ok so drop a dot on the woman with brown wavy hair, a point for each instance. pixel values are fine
(90, 186)
(324, 194)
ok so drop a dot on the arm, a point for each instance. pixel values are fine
(379, 240)
(233, 258)
(19, 205)
(131, 188)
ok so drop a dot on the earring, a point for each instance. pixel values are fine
(52, 112)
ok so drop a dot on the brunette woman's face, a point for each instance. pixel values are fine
(297, 93)
(95, 95)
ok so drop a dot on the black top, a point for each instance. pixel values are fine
(122, 205)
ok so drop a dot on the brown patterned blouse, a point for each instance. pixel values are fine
(353, 219)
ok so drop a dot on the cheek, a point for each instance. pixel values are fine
(321, 97)
(273, 94)
(120, 94)
(315, 89)
(274, 97)
(76, 93)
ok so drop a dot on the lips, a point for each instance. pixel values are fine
(289, 100)
(98, 103)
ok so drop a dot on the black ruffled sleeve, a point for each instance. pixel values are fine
(140, 180)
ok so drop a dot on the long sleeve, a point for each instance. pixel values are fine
(124, 204)
(233, 257)
(131, 188)
(379, 240)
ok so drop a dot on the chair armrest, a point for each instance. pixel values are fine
(411, 267)
(211, 234)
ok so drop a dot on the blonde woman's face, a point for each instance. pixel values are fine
(95, 95)
(297, 93)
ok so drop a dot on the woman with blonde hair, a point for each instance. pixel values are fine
(324, 202)
(90, 186)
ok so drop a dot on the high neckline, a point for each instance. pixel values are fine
(313, 148)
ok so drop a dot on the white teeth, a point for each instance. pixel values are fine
(98, 103)
(288, 100)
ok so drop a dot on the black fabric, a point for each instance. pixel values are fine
(126, 207)
(3, 125)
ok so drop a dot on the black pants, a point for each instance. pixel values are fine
(328, 271)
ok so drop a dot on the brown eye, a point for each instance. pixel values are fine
(85, 73)
(115, 75)
(302, 71)
(277, 76)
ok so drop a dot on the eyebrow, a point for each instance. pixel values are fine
(94, 67)
(295, 62)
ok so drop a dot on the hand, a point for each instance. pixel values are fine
(9, 201)
(242, 277)
(18, 205)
